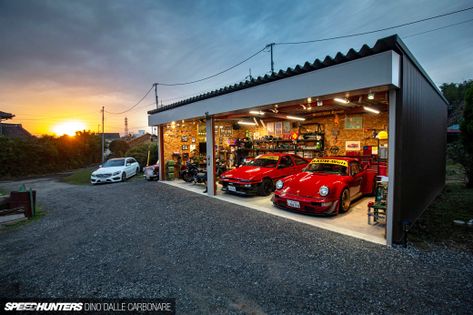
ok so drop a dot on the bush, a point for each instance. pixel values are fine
(140, 153)
(35, 156)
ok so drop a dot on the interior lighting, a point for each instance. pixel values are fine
(341, 100)
(248, 123)
(295, 118)
(255, 112)
(371, 96)
(369, 109)
(320, 103)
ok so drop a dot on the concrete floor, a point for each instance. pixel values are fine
(353, 223)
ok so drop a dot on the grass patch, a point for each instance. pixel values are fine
(79, 177)
(38, 215)
(455, 173)
(436, 224)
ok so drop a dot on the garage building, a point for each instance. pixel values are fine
(376, 104)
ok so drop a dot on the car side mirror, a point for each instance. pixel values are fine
(128, 164)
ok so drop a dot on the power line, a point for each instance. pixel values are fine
(438, 28)
(216, 74)
(129, 109)
(373, 31)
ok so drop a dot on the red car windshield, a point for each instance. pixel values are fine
(263, 162)
(327, 168)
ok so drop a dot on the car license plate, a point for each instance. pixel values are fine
(294, 204)
(231, 188)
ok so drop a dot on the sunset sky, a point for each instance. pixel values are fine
(62, 60)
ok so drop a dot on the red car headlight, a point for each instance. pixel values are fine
(323, 191)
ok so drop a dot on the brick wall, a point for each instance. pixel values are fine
(333, 126)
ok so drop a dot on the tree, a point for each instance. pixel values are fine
(140, 153)
(467, 135)
(118, 148)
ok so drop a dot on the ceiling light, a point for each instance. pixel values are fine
(371, 96)
(303, 106)
(256, 122)
(369, 109)
(248, 123)
(320, 103)
(295, 118)
(341, 100)
(255, 112)
(309, 100)
(309, 108)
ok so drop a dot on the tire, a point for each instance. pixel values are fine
(187, 177)
(266, 187)
(137, 171)
(344, 201)
(123, 176)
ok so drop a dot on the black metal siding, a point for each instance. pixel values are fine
(421, 124)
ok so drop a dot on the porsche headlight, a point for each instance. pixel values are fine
(323, 191)
(279, 184)
(116, 173)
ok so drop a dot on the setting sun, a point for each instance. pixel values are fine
(68, 128)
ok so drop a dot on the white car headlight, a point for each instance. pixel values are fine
(323, 191)
(279, 184)
(116, 173)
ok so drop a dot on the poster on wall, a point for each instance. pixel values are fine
(184, 147)
(184, 139)
(270, 127)
(353, 122)
(352, 145)
(286, 127)
(192, 147)
(278, 128)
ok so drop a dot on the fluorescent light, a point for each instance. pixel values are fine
(295, 118)
(256, 122)
(369, 109)
(309, 100)
(341, 100)
(249, 123)
(371, 96)
(255, 112)
(320, 103)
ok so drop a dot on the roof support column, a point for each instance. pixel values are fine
(391, 166)
(210, 135)
(161, 151)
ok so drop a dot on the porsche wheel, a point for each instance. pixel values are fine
(344, 201)
(266, 187)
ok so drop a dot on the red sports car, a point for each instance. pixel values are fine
(258, 176)
(327, 186)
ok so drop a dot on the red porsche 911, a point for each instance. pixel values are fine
(327, 186)
(257, 177)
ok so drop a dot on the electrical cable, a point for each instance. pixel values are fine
(438, 28)
(216, 74)
(129, 109)
(373, 31)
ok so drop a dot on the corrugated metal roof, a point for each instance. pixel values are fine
(385, 44)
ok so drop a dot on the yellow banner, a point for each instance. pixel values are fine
(330, 161)
(268, 157)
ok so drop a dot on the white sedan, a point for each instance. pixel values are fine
(115, 170)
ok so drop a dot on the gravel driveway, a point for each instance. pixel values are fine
(142, 239)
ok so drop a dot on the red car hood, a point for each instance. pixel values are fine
(253, 173)
(307, 184)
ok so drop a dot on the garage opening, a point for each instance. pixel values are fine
(259, 146)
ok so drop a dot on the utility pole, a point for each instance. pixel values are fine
(156, 93)
(103, 134)
(272, 62)
(126, 127)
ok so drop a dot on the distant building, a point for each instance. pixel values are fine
(14, 131)
(453, 133)
(110, 136)
(143, 139)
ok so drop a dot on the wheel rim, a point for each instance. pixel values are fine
(345, 200)
(123, 176)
